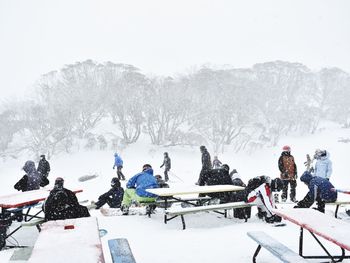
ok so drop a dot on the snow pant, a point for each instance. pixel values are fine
(119, 173)
(293, 185)
(308, 202)
(261, 196)
(102, 200)
(130, 196)
(166, 175)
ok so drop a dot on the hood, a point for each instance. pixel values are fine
(306, 177)
(149, 171)
(29, 166)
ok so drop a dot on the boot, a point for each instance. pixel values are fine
(125, 209)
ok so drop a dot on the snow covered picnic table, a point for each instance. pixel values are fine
(178, 193)
(322, 225)
(70, 240)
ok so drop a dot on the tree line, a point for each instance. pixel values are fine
(244, 108)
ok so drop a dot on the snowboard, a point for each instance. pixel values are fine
(118, 212)
(87, 177)
(278, 224)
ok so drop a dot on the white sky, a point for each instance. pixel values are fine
(166, 37)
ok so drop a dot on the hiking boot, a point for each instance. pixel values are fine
(125, 209)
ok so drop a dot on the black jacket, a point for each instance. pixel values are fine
(166, 163)
(44, 167)
(206, 161)
(113, 197)
(63, 204)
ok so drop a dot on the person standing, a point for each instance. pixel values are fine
(167, 164)
(323, 166)
(43, 166)
(216, 163)
(206, 162)
(119, 163)
(288, 169)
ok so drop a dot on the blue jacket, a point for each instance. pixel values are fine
(319, 185)
(323, 167)
(142, 181)
(118, 160)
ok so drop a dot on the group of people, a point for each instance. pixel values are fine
(62, 203)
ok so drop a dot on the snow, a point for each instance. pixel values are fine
(208, 237)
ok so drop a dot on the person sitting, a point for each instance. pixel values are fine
(113, 197)
(63, 204)
(259, 191)
(31, 180)
(161, 182)
(136, 188)
(219, 176)
(319, 191)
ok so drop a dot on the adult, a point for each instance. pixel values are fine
(43, 166)
(323, 166)
(216, 163)
(217, 177)
(63, 204)
(288, 169)
(206, 162)
(136, 188)
(320, 190)
(259, 191)
(31, 180)
(167, 166)
(118, 162)
(113, 197)
(161, 182)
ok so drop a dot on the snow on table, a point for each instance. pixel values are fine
(326, 226)
(194, 190)
(25, 198)
(56, 244)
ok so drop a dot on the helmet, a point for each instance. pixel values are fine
(146, 167)
(59, 182)
(115, 182)
(225, 167)
(286, 148)
(202, 148)
(276, 185)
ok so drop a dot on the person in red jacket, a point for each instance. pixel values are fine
(288, 169)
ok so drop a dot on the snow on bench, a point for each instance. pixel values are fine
(275, 247)
(120, 251)
(174, 212)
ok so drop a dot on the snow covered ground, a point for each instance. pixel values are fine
(208, 237)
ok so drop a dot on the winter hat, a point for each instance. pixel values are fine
(286, 148)
(115, 182)
(202, 148)
(59, 182)
(146, 167)
(42, 156)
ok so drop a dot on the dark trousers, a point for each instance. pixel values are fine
(119, 173)
(102, 200)
(293, 185)
(166, 177)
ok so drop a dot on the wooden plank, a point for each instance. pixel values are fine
(276, 248)
(120, 251)
(164, 192)
(196, 209)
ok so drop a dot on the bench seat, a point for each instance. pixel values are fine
(275, 247)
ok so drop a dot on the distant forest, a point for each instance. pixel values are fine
(109, 106)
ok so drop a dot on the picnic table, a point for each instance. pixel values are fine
(319, 225)
(21, 203)
(70, 240)
(179, 193)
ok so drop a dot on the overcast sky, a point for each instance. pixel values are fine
(167, 37)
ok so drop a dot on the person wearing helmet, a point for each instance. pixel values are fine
(113, 197)
(320, 190)
(167, 164)
(136, 188)
(259, 191)
(119, 163)
(323, 166)
(63, 204)
(288, 169)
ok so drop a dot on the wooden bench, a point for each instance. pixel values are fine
(120, 251)
(172, 213)
(276, 248)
